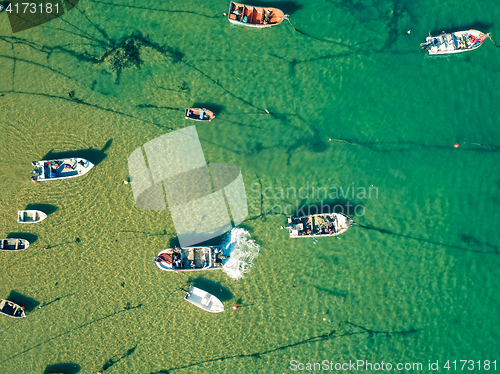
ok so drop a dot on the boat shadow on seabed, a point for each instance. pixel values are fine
(343, 206)
(23, 235)
(215, 288)
(214, 108)
(66, 368)
(95, 156)
(472, 26)
(28, 303)
(288, 7)
(46, 208)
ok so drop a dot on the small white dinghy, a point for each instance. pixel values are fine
(11, 309)
(13, 244)
(30, 216)
(204, 300)
(199, 114)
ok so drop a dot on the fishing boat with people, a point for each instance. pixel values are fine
(252, 16)
(199, 114)
(30, 216)
(204, 300)
(455, 42)
(316, 225)
(191, 259)
(11, 309)
(61, 168)
(13, 244)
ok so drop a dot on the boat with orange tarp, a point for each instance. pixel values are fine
(252, 16)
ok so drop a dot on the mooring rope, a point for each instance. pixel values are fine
(489, 36)
(290, 22)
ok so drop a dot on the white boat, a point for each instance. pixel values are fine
(252, 16)
(456, 42)
(191, 259)
(318, 225)
(204, 300)
(11, 309)
(61, 168)
(30, 216)
(13, 244)
(199, 114)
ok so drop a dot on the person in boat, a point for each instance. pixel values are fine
(192, 264)
(177, 260)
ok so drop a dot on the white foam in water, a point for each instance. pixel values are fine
(242, 250)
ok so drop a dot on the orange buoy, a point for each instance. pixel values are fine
(456, 145)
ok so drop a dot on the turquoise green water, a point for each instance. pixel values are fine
(421, 284)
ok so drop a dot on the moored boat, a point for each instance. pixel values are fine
(316, 225)
(30, 216)
(61, 168)
(456, 42)
(204, 300)
(199, 114)
(191, 259)
(11, 309)
(13, 244)
(252, 16)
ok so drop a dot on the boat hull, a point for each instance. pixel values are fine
(318, 225)
(64, 168)
(199, 114)
(204, 300)
(190, 259)
(457, 42)
(13, 244)
(257, 17)
(30, 216)
(11, 309)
